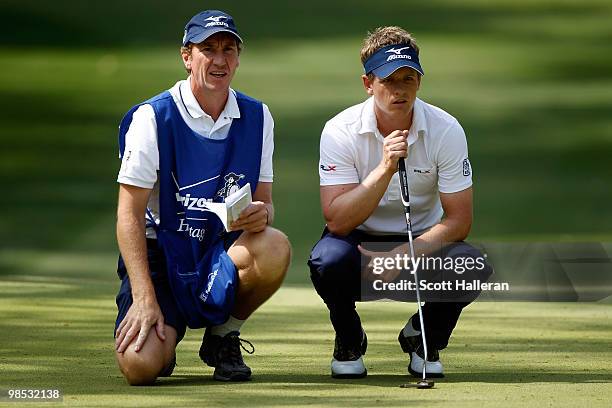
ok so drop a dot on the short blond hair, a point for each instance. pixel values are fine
(383, 36)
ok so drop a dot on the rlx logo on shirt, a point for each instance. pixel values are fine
(330, 167)
(420, 171)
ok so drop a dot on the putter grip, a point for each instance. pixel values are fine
(403, 176)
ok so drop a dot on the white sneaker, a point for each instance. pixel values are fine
(348, 369)
(347, 361)
(433, 369)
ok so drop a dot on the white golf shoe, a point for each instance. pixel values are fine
(413, 345)
(433, 369)
(347, 361)
(348, 369)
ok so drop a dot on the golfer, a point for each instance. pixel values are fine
(191, 145)
(361, 199)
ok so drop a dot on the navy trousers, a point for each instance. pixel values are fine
(335, 271)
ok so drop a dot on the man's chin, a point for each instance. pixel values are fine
(404, 107)
(217, 86)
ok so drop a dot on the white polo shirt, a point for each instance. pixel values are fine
(352, 146)
(141, 140)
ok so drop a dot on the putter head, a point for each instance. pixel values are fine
(424, 384)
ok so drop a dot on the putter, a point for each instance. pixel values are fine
(424, 383)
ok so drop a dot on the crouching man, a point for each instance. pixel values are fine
(361, 200)
(189, 146)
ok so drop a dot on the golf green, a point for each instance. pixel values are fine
(57, 334)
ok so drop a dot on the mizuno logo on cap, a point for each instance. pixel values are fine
(399, 56)
(215, 21)
(398, 51)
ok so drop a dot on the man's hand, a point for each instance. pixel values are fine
(138, 321)
(395, 146)
(389, 275)
(254, 218)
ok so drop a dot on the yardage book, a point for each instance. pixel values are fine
(230, 210)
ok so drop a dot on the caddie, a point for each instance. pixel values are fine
(191, 145)
(361, 201)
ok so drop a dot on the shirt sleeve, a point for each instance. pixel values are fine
(454, 169)
(336, 162)
(266, 173)
(140, 160)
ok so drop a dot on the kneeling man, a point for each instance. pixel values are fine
(181, 150)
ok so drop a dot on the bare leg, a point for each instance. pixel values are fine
(143, 367)
(262, 260)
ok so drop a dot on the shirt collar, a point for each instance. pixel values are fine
(369, 124)
(230, 110)
(418, 118)
(368, 118)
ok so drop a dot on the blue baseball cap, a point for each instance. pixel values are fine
(389, 59)
(209, 22)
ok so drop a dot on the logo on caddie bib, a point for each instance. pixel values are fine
(192, 205)
(211, 280)
(231, 185)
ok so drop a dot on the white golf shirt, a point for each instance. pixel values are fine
(141, 139)
(352, 146)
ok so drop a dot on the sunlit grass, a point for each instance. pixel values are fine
(501, 354)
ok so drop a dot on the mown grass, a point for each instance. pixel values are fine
(57, 333)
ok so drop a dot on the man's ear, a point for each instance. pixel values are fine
(367, 84)
(186, 57)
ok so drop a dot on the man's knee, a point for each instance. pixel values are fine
(266, 254)
(332, 257)
(470, 264)
(334, 263)
(143, 367)
(138, 368)
(276, 244)
(473, 266)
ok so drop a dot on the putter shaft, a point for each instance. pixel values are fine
(406, 202)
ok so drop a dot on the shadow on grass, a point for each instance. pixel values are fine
(533, 377)
(309, 381)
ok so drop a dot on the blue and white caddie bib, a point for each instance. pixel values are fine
(195, 170)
